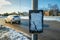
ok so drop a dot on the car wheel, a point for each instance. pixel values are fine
(19, 22)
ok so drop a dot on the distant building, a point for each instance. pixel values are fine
(51, 13)
(55, 13)
(58, 14)
(46, 13)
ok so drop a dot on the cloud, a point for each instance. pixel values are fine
(4, 2)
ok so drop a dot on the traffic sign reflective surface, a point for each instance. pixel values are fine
(36, 21)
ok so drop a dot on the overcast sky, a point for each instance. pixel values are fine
(23, 5)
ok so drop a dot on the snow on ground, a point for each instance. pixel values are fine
(48, 18)
(52, 18)
(24, 17)
(16, 36)
(11, 34)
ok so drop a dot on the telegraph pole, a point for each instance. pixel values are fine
(35, 7)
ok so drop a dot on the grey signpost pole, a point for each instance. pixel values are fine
(35, 7)
(35, 4)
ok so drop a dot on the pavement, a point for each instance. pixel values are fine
(51, 29)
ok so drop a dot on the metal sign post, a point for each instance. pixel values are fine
(35, 4)
(35, 20)
(35, 23)
(34, 37)
(35, 7)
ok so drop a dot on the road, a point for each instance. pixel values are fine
(51, 29)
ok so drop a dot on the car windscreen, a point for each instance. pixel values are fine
(16, 16)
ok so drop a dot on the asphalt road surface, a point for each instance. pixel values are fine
(51, 29)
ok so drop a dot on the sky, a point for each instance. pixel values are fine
(24, 5)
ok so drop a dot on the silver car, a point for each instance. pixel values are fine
(13, 18)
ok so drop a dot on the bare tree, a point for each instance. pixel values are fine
(53, 9)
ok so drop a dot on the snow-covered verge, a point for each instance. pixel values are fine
(48, 18)
(10, 34)
(52, 18)
(24, 17)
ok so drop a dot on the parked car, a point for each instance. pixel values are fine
(13, 18)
